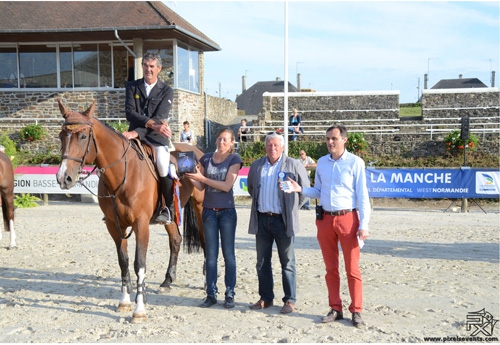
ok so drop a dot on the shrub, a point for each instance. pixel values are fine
(10, 148)
(119, 126)
(356, 143)
(32, 132)
(26, 201)
(455, 145)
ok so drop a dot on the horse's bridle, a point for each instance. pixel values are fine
(74, 127)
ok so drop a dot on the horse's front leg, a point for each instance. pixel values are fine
(174, 239)
(125, 304)
(13, 243)
(142, 242)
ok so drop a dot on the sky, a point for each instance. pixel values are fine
(346, 46)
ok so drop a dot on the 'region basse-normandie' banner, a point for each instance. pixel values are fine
(42, 180)
(382, 183)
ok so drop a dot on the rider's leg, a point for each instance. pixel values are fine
(166, 184)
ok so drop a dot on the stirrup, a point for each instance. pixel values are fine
(165, 217)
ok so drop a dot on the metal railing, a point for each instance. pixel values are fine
(315, 127)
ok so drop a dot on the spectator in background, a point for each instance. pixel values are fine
(295, 124)
(187, 135)
(309, 164)
(243, 131)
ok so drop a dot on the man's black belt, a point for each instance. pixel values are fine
(270, 214)
(338, 213)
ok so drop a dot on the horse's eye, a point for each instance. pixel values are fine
(83, 136)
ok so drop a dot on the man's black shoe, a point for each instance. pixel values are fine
(229, 302)
(208, 302)
(333, 315)
(357, 321)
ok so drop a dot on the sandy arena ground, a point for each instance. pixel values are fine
(423, 269)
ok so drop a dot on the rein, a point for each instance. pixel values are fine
(74, 127)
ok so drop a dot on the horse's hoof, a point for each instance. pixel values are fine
(124, 307)
(138, 318)
(165, 288)
(12, 247)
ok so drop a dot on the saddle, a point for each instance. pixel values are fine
(145, 150)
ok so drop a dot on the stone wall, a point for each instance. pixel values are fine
(411, 138)
(359, 111)
(479, 102)
(332, 105)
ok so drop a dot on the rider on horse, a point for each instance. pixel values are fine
(147, 106)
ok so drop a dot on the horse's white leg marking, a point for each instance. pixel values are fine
(12, 234)
(125, 296)
(140, 307)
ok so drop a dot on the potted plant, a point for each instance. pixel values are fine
(454, 144)
(32, 132)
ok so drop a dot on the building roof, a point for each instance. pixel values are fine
(25, 21)
(461, 83)
(251, 99)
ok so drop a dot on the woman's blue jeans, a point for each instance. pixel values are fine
(272, 229)
(223, 222)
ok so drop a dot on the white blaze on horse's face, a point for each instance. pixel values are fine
(61, 173)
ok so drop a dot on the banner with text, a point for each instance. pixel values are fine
(31, 179)
(382, 183)
(433, 183)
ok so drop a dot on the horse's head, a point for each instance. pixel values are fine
(76, 144)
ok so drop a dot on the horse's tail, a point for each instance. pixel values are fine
(192, 237)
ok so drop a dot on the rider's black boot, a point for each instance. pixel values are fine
(167, 214)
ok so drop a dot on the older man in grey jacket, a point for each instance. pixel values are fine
(274, 217)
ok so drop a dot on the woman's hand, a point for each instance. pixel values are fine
(196, 176)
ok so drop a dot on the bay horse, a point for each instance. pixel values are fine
(7, 196)
(128, 195)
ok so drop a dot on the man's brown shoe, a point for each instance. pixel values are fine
(260, 304)
(333, 315)
(357, 321)
(288, 308)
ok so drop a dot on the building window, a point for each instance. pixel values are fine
(66, 65)
(37, 66)
(8, 67)
(188, 69)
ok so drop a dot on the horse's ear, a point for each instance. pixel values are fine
(64, 111)
(90, 111)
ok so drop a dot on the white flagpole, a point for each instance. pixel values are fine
(285, 103)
